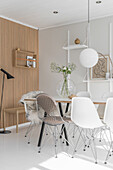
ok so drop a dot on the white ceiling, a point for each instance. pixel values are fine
(39, 13)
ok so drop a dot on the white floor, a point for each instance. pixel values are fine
(16, 154)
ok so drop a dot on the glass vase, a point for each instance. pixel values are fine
(65, 87)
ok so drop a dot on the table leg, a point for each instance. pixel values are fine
(61, 113)
(63, 126)
(67, 107)
(17, 120)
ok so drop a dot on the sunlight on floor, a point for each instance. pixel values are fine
(33, 168)
(16, 154)
(70, 163)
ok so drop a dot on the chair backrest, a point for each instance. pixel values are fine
(108, 95)
(31, 94)
(47, 103)
(83, 94)
(29, 105)
(108, 114)
(84, 113)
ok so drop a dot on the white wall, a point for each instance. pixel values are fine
(51, 42)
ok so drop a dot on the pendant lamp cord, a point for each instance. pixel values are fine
(88, 27)
(88, 11)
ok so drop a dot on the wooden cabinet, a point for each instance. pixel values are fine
(25, 59)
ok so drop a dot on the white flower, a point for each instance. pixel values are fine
(69, 69)
(64, 68)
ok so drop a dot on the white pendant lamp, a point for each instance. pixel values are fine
(88, 57)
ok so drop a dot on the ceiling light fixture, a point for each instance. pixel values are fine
(55, 12)
(88, 57)
(98, 2)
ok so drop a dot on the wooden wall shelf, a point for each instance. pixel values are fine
(75, 47)
(22, 61)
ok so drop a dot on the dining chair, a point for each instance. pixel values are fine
(102, 107)
(83, 94)
(49, 115)
(31, 111)
(101, 110)
(107, 95)
(86, 94)
(108, 120)
(80, 94)
(85, 116)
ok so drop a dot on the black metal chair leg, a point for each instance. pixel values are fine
(63, 126)
(41, 135)
(65, 134)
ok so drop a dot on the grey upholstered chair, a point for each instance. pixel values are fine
(47, 104)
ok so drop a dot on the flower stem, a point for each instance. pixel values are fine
(64, 90)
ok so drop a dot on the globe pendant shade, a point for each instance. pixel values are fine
(88, 58)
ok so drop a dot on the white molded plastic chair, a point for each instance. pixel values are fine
(102, 107)
(108, 119)
(79, 94)
(85, 116)
(108, 95)
(108, 114)
(83, 94)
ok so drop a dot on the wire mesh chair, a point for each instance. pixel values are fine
(52, 117)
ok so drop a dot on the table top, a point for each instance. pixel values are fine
(67, 100)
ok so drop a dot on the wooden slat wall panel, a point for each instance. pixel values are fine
(12, 36)
(0, 57)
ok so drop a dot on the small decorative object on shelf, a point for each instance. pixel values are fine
(34, 63)
(29, 61)
(77, 41)
(18, 49)
(25, 59)
(71, 96)
(65, 87)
